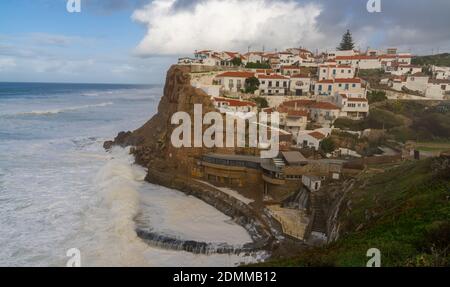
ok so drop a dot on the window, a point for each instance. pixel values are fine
(324, 70)
(334, 72)
(285, 84)
(320, 87)
(270, 83)
(354, 85)
(346, 86)
(277, 83)
(342, 71)
(340, 85)
(330, 87)
(349, 71)
(263, 82)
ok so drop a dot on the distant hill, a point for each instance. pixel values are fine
(404, 212)
(437, 60)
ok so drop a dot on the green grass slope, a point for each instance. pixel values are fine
(438, 60)
(404, 212)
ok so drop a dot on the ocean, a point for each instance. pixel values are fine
(59, 189)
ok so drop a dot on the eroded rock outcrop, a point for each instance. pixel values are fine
(172, 167)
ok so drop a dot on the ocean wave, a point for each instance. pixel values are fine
(62, 110)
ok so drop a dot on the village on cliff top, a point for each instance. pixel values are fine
(310, 91)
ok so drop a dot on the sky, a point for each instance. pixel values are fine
(136, 41)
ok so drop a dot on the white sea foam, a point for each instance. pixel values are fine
(68, 109)
(59, 189)
(121, 186)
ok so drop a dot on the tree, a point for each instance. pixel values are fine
(260, 102)
(327, 145)
(376, 96)
(236, 61)
(347, 42)
(257, 65)
(251, 85)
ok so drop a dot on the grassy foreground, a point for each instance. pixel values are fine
(404, 212)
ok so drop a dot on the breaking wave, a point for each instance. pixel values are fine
(62, 110)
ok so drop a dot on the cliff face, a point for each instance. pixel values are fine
(173, 167)
(153, 148)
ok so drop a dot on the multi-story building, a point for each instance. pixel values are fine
(233, 81)
(350, 86)
(273, 84)
(355, 108)
(330, 70)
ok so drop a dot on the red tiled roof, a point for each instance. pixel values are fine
(232, 54)
(356, 57)
(349, 80)
(419, 74)
(325, 82)
(357, 100)
(264, 70)
(324, 106)
(297, 114)
(269, 110)
(300, 76)
(292, 103)
(236, 74)
(290, 68)
(317, 135)
(276, 77)
(395, 56)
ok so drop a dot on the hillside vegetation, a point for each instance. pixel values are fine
(404, 212)
(438, 60)
(405, 120)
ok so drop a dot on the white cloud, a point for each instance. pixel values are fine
(226, 25)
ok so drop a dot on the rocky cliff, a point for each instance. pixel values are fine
(173, 167)
(152, 141)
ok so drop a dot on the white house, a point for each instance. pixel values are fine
(397, 82)
(311, 182)
(290, 70)
(273, 84)
(360, 61)
(403, 69)
(355, 108)
(225, 105)
(300, 84)
(253, 57)
(350, 86)
(345, 53)
(288, 59)
(441, 73)
(332, 71)
(437, 89)
(309, 139)
(233, 81)
(417, 82)
(292, 121)
(404, 58)
(323, 112)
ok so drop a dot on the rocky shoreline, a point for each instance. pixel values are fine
(171, 167)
